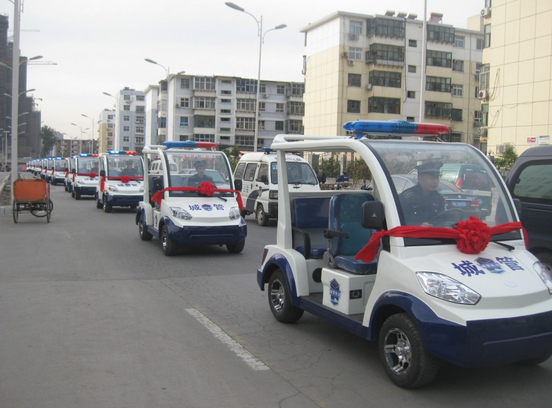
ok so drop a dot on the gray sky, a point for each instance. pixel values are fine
(100, 45)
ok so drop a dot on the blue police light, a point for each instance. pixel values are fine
(84, 154)
(187, 144)
(267, 150)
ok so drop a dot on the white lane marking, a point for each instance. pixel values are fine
(236, 347)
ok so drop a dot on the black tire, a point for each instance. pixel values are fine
(535, 361)
(280, 301)
(107, 207)
(236, 248)
(546, 259)
(169, 246)
(144, 234)
(15, 212)
(262, 217)
(43, 211)
(77, 195)
(403, 354)
(49, 210)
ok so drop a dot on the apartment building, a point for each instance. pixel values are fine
(516, 78)
(221, 109)
(359, 66)
(106, 131)
(130, 121)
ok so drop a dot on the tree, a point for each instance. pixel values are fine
(48, 137)
(331, 166)
(358, 170)
(506, 161)
(233, 154)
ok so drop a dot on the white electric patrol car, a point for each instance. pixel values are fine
(190, 198)
(432, 285)
(84, 175)
(121, 180)
(59, 169)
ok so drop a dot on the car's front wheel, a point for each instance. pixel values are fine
(404, 357)
(279, 299)
(262, 217)
(170, 247)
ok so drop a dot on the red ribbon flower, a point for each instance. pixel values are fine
(207, 189)
(125, 179)
(472, 236)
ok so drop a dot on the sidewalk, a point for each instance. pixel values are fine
(5, 191)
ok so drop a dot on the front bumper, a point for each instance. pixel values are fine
(208, 235)
(124, 200)
(84, 190)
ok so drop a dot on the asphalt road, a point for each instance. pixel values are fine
(91, 316)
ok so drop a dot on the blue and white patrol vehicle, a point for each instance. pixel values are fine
(444, 288)
(68, 182)
(121, 180)
(84, 175)
(190, 198)
(58, 170)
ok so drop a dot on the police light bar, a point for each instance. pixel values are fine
(395, 127)
(189, 144)
(267, 150)
(84, 155)
(121, 152)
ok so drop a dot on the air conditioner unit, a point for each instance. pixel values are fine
(178, 105)
(265, 96)
(345, 54)
(486, 12)
(483, 95)
(353, 37)
(369, 87)
(351, 62)
(501, 149)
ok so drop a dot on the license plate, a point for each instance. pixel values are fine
(459, 203)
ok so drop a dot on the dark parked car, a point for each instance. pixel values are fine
(454, 197)
(530, 181)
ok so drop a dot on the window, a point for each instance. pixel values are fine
(226, 92)
(204, 103)
(126, 97)
(263, 171)
(183, 138)
(279, 108)
(457, 90)
(413, 43)
(437, 84)
(184, 83)
(297, 88)
(204, 138)
(355, 53)
(245, 141)
(440, 33)
(226, 120)
(438, 109)
(295, 126)
(386, 27)
(246, 85)
(126, 107)
(126, 118)
(226, 101)
(479, 43)
(355, 27)
(126, 138)
(204, 122)
(204, 83)
(533, 184)
(279, 125)
(439, 59)
(487, 32)
(353, 106)
(110, 117)
(261, 124)
(458, 65)
(140, 119)
(412, 69)
(162, 123)
(140, 129)
(109, 134)
(384, 105)
(484, 77)
(280, 89)
(385, 78)
(354, 79)
(184, 102)
(247, 105)
(410, 118)
(140, 109)
(411, 94)
(184, 121)
(263, 89)
(245, 123)
(456, 114)
(385, 52)
(458, 41)
(227, 111)
(262, 106)
(126, 128)
(296, 108)
(109, 144)
(140, 98)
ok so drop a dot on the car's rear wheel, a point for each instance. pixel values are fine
(236, 248)
(144, 234)
(262, 217)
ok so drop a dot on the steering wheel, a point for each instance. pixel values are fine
(453, 216)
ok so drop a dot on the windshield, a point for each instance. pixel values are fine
(60, 164)
(298, 173)
(191, 168)
(125, 166)
(88, 165)
(427, 193)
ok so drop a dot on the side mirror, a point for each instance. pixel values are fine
(372, 215)
(238, 184)
(264, 179)
(157, 184)
(102, 173)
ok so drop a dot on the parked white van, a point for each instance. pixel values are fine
(259, 175)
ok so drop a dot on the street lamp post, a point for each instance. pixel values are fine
(81, 132)
(167, 70)
(261, 41)
(93, 134)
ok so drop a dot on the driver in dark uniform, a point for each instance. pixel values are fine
(421, 203)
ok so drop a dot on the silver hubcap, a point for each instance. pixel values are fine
(277, 295)
(398, 352)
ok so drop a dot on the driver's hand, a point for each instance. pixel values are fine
(426, 224)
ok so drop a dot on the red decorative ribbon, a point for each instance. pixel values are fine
(205, 188)
(472, 236)
(124, 180)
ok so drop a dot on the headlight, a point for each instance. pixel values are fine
(273, 194)
(180, 213)
(544, 274)
(446, 288)
(112, 188)
(234, 213)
